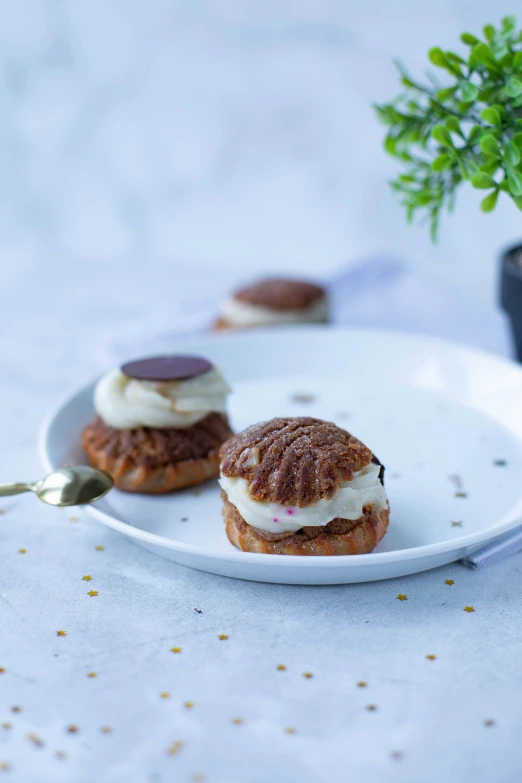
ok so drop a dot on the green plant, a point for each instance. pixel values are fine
(469, 129)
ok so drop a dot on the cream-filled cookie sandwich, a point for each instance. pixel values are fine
(160, 423)
(302, 486)
(274, 301)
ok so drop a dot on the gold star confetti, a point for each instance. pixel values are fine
(2, 670)
(290, 730)
(61, 632)
(362, 684)
(237, 721)
(92, 593)
(92, 674)
(222, 637)
(4, 766)
(60, 754)
(302, 397)
(308, 675)
(74, 519)
(176, 649)
(461, 494)
(189, 705)
(449, 582)
(175, 748)
(87, 578)
(72, 729)
(456, 524)
(469, 609)
(165, 695)
(402, 597)
(35, 740)
(431, 657)
(500, 463)
(6, 725)
(371, 707)
(197, 778)
(100, 548)
(396, 754)
(105, 729)
(22, 551)
(281, 667)
(16, 709)
(489, 722)
(2, 511)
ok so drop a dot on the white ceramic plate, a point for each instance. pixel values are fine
(439, 416)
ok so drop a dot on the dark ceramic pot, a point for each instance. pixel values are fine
(511, 292)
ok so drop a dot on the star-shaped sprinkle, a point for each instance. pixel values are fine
(281, 667)
(290, 730)
(197, 493)
(61, 632)
(500, 463)
(198, 611)
(92, 674)
(237, 721)
(431, 657)
(2, 511)
(197, 778)
(222, 637)
(74, 519)
(402, 597)
(308, 675)
(4, 766)
(449, 582)
(175, 748)
(60, 755)
(22, 551)
(92, 593)
(72, 729)
(105, 729)
(456, 524)
(189, 705)
(87, 578)
(35, 740)
(396, 755)
(165, 695)
(371, 707)
(2, 670)
(184, 519)
(303, 397)
(6, 725)
(461, 494)
(176, 649)
(16, 708)
(469, 609)
(100, 548)
(362, 684)
(489, 722)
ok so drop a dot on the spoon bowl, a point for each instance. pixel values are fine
(74, 486)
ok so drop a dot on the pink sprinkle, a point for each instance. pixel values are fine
(276, 519)
(290, 511)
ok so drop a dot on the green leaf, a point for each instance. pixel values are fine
(446, 94)
(441, 134)
(441, 163)
(485, 56)
(489, 32)
(406, 81)
(511, 154)
(518, 202)
(469, 39)
(514, 181)
(491, 116)
(475, 133)
(517, 140)
(508, 24)
(468, 91)
(390, 145)
(489, 146)
(455, 58)
(437, 57)
(517, 62)
(488, 204)
(513, 87)
(491, 166)
(483, 181)
(452, 124)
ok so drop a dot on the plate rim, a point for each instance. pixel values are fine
(465, 542)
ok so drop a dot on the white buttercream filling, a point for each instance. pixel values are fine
(239, 313)
(126, 403)
(347, 503)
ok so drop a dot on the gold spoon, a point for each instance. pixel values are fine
(74, 486)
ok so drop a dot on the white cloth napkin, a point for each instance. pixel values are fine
(383, 293)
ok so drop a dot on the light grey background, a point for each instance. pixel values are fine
(152, 152)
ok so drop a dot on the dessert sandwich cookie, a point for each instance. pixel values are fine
(302, 486)
(160, 423)
(274, 301)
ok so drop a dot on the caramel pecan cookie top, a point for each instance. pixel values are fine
(293, 461)
(278, 294)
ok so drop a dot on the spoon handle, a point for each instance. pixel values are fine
(14, 489)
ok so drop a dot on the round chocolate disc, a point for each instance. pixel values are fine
(166, 368)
